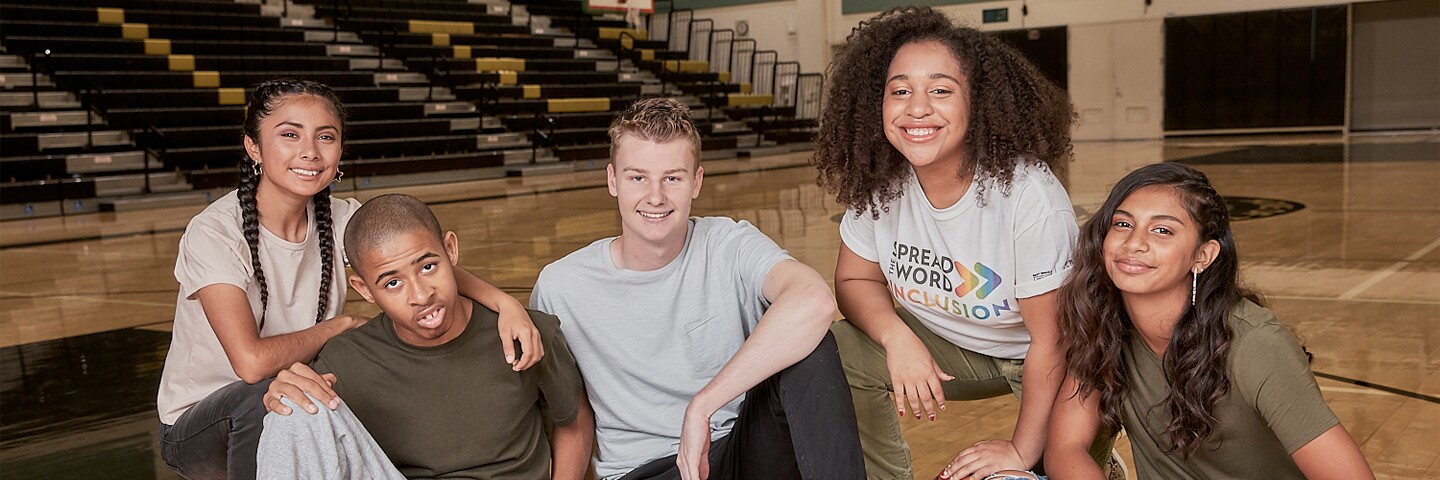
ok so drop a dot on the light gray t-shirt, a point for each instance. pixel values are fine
(646, 342)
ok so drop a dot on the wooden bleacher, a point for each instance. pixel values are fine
(436, 90)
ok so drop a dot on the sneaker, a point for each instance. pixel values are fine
(1115, 469)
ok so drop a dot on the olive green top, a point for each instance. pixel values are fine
(1272, 409)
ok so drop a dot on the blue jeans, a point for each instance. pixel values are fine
(217, 438)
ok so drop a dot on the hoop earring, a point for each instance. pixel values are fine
(1194, 279)
(257, 169)
(338, 175)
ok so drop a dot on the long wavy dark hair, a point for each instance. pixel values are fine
(1016, 115)
(1095, 327)
(264, 99)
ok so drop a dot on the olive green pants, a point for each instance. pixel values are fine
(977, 376)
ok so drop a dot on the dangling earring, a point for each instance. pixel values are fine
(338, 175)
(1194, 279)
(257, 169)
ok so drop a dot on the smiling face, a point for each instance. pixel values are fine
(927, 106)
(654, 184)
(412, 278)
(298, 147)
(1153, 245)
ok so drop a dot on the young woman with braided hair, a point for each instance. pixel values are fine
(947, 148)
(1160, 337)
(261, 284)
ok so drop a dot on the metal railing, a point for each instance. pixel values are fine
(152, 144)
(809, 95)
(538, 135)
(439, 71)
(742, 60)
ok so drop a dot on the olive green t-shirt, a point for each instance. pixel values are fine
(456, 410)
(1272, 409)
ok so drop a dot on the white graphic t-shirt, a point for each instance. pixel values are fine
(961, 269)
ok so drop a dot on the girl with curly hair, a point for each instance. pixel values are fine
(262, 284)
(1161, 338)
(947, 148)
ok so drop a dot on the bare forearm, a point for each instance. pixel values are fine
(267, 356)
(1075, 421)
(1072, 463)
(866, 304)
(789, 331)
(484, 292)
(1043, 373)
(573, 444)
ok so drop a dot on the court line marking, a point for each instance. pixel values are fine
(1383, 388)
(1358, 300)
(86, 299)
(1390, 270)
(1362, 391)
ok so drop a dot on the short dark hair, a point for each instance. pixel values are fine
(384, 217)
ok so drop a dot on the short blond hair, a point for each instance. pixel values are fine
(659, 120)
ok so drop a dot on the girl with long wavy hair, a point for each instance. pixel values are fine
(947, 148)
(1161, 338)
(262, 284)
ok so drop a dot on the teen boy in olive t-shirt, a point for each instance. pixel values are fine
(422, 377)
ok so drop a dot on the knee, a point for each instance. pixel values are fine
(861, 356)
(251, 405)
(299, 420)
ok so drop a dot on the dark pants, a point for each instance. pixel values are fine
(797, 424)
(217, 437)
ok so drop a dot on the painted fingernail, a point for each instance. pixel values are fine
(932, 417)
(942, 407)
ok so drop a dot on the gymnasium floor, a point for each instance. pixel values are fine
(1343, 236)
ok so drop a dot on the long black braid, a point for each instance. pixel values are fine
(264, 99)
(250, 225)
(325, 229)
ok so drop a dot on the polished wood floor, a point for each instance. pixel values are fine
(1343, 236)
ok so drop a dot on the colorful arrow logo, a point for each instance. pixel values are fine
(969, 281)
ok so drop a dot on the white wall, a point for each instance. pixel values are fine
(1116, 78)
(807, 30)
(795, 29)
(1051, 13)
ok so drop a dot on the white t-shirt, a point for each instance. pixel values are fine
(213, 251)
(961, 269)
(648, 341)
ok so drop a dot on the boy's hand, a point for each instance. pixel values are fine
(295, 383)
(515, 325)
(694, 456)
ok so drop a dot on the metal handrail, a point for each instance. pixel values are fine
(349, 11)
(88, 104)
(149, 139)
(536, 135)
(436, 67)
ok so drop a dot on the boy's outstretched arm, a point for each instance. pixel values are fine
(573, 443)
(801, 310)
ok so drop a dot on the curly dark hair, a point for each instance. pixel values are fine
(1017, 116)
(1096, 328)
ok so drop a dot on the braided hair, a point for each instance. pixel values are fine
(264, 99)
